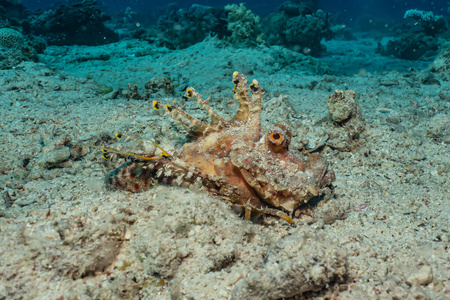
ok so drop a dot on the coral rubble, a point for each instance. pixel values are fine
(441, 65)
(347, 119)
(294, 266)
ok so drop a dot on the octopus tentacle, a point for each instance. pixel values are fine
(241, 93)
(216, 120)
(255, 111)
(249, 106)
(264, 210)
(196, 126)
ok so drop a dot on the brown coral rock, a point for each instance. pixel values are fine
(348, 121)
(160, 86)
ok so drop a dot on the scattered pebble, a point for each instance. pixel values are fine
(423, 276)
(26, 202)
(361, 207)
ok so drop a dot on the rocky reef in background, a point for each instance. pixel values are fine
(417, 36)
(79, 23)
(235, 24)
(12, 13)
(182, 28)
(14, 49)
(25, 34)
(299, 25)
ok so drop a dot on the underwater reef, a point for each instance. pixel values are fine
(14, 49)
(78, 23)
(244, 26)
(236, 24)
(441, 65)
(417, 36)
(182, 28)
(24, 34)
(298, 26)
(13, 13)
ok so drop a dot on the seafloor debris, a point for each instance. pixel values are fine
(441, 65)
(155, 87)
(159, 86)
(234, 160)
(295, 265)
(8, 200)
(347, 118)
(422, 276)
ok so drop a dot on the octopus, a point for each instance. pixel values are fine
(236, 160)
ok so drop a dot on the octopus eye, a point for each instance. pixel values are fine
(235, 80)
(189, 92)
(155, 104)
(119, 135)
(169, 108)
(254, 87)
(276, 136)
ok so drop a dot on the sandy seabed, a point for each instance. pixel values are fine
(64, 236)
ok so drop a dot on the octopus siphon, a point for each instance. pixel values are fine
(235, 160)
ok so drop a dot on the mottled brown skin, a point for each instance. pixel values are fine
(235, 160)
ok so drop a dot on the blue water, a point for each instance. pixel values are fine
(350, 9)
(301, 25)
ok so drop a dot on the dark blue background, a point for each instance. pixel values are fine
(350, 9)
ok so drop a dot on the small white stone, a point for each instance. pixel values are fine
(423, 276)
(95, 184)
(127, 235)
